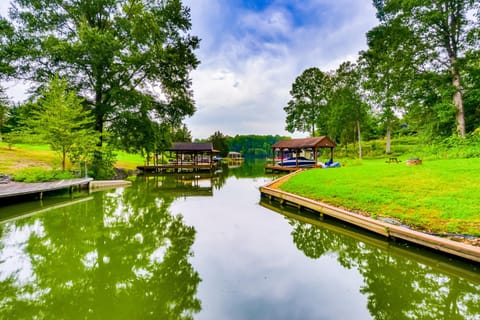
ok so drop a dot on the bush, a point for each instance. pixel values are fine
(102, 167)
(41, 175)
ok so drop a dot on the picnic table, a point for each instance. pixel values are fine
(393, 160)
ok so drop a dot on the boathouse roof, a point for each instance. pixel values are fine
(305, 143)
(192, 147)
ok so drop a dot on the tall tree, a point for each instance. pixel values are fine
(444, 31)
(122, 56)
(62, 122)
(219, 141)
(309, 95)
(347, 109)
(388, 67)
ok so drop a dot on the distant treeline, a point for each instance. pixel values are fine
(253, 146)
(250, 146)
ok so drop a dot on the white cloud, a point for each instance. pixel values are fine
(250, 58)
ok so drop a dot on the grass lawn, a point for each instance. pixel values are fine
(438, 196)
(21, 156)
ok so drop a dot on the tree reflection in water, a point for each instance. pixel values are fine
(403, 285)
(118, 256)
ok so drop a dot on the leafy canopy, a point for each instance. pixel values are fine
(309, 97)
(128, 59)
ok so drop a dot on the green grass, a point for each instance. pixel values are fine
(21, 156)
(438, 196)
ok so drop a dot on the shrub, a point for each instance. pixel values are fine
(41, 175)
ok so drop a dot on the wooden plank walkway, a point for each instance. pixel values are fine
(15, 189)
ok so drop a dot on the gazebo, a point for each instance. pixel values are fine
(193, 153)
(189, 156)
(298, 145)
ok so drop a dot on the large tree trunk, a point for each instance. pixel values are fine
(458, 101)
(388, 138)
(64, 157)
(99, 115)
(359, 140)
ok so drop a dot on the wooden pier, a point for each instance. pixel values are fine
(177, 167)
(16, 189)
(466, 251)
(274, 168)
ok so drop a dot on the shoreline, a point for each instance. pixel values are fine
(462, 249)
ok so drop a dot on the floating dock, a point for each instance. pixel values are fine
(177, 167)
(16, 189)
(385, 229)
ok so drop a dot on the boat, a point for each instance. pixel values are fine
(296, 162)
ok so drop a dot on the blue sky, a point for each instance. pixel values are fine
(252, 51)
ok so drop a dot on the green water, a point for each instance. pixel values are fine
(208, 247)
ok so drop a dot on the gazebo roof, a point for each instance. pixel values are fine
(305, 143)
(192, 147)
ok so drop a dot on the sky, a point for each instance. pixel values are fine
(251, 51)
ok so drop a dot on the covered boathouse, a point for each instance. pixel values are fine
(188, 157)
(296, 147)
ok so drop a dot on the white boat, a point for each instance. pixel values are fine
(296, 162)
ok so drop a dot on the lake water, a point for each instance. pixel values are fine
(197, 246)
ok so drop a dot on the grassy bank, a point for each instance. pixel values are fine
(439, 196)
(22, 156)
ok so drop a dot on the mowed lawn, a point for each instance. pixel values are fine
(440, 196)
(22, 156)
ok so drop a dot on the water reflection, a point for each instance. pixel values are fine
(121, 255)
(129, 254)
(400, 282)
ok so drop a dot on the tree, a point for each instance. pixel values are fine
(309, 98)
(4, 108)
(182, 134)
(347, 109)
(123, 57)
(7, 50)
(219, 142)
(444, 31)
(62, 122)
(388, 70)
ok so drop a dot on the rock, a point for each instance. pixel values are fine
(4, 179)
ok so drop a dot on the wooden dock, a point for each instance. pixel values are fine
(276, 168)
(273, 168)
(176, 167)
(16, 189)
(388, 230)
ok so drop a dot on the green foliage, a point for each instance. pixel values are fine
(8, 49)
(182, 134)
(62, 122)
(307, 106)
(128, 59)
(137, 133)
(219, 142)
(438, 36)
(103, 165)
(254, 146)
(31, 175)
